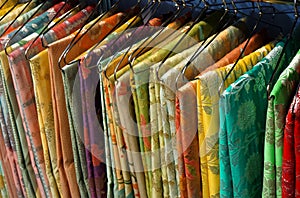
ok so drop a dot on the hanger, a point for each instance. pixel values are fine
(128, 50)
(215, 32)
(200, 16)
(131, 59)
(289, 36)
(117, 26)
(47, 28)
(147, 7)
(244, 48)
(12, 8)
(143, 45)
(74, 41)
(20, 28)
(3, 4)
(43, 33)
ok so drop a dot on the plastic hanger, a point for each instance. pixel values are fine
(289, 36)
(143, 45)
(20, 28)
(48, 24)
(122, 33)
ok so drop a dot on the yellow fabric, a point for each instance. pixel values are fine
(41, 76)
(7, 4)
(158, 48)
(208, 114)
(6, 10)
(17, 11)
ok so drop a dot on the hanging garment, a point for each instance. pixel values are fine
(9, 26)
(7, 168)
(289, 154)
(22, 149)
(93, 140)
(87, 80)
(208, 114)
(139, 86)
(185, 132)
(70, 74)
(281, 95)
(55, 50)
(64, 152)
(34, 25)
(19, 65)
(241, 162)
(222, 44)
(11, 148)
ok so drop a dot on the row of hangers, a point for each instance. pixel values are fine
(230, 14)
(222, 24)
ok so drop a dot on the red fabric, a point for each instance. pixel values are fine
(291, 152)
(297, 143)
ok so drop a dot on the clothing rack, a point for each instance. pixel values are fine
(149, 98)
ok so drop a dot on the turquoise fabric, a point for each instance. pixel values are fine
(243, 108)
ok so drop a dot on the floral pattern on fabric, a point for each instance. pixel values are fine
(281, 95)
(208, 113)
(244, 102)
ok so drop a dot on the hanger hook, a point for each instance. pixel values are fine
(242, 52)
(289, 36)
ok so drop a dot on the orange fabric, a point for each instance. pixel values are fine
(255, 42)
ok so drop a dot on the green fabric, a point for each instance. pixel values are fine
(278, 107)
(243, 109)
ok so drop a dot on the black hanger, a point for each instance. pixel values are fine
(289, 36)
(20, 28)
(74, 41)
(133, 56)
(244, 48)
(215, 32)
(200, 16)
(143, 45)
(12, 8)
(4, 3)
(47, 28)
(122, 33)
(124, 55)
